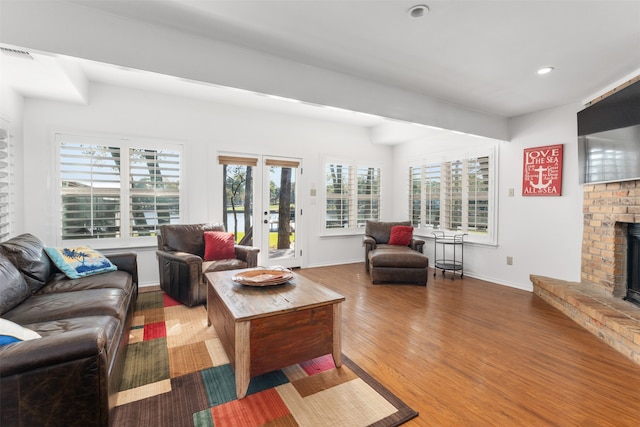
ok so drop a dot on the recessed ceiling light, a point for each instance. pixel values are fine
(418, 11)
(545, 70)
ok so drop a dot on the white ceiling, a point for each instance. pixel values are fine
(482, 55)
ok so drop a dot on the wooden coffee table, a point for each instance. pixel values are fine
(263, 329)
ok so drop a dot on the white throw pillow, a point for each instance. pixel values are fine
(12, 332)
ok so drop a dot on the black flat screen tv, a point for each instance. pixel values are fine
(609, 138)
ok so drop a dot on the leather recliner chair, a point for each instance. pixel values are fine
(180, 256)
(393, 263)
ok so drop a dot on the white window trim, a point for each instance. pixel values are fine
(125, 142)
(329, 232)
(491, 238)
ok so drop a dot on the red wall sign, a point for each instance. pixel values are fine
(542, 171)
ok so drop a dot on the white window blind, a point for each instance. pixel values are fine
(352, 195)
(453, 195)
(5, 181)
(478, 194)
(154, 177)
(114, 188)
(90, 191)
(424, 195)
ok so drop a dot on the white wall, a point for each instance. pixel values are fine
(542, 234)
(205, 128)
(164, 50)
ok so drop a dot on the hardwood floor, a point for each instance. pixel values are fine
(466, 352)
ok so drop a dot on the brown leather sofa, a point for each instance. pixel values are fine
(393, 263)
(180, 260)
(69, 376)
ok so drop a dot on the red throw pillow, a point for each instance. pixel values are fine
(401, 235)
(218, 245)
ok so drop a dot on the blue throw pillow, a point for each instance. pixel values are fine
(12, 332)
(80, 261)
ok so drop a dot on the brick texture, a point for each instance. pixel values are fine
(611, 319)
(596, 302)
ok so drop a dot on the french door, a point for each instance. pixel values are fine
(260, 203)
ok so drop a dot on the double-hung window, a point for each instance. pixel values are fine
(117, 188)
(455, 193)
(352, 195)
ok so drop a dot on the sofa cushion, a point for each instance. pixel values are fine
(66, 305)
(381, 230)
(13, 288)
(223, 265)
(187, 238)
(401, 235)
(80, 261)
(397, 257)
(26, 251)
(112, 280)
(218, 245)
(12, 332)
(63, 342)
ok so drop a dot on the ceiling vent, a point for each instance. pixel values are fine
(15, 52)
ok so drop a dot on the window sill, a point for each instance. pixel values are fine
(342, 233)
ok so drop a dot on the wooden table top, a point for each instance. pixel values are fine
(249, 302)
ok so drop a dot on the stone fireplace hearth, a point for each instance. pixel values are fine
(596, 302)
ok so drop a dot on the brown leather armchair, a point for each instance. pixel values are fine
(393, 263)
(180, 260)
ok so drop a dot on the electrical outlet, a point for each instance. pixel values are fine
(509, 260)
(512, 192)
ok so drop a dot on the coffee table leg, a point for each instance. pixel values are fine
(243, 356)
(337, 337)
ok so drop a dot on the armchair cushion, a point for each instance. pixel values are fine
(401, 235)
(218, 245)
(381, 230)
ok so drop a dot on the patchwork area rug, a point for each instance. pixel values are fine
(177, 374)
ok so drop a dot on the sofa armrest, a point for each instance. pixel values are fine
(56, 380)
(182, 257)
(248, 254)
(181, 277)
(369, 243)
(417, 245)
(50, 350)
(126, 262)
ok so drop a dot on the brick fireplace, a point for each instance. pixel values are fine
(596, 302)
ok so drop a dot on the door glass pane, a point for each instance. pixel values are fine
(282, 212)
(238, 202)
